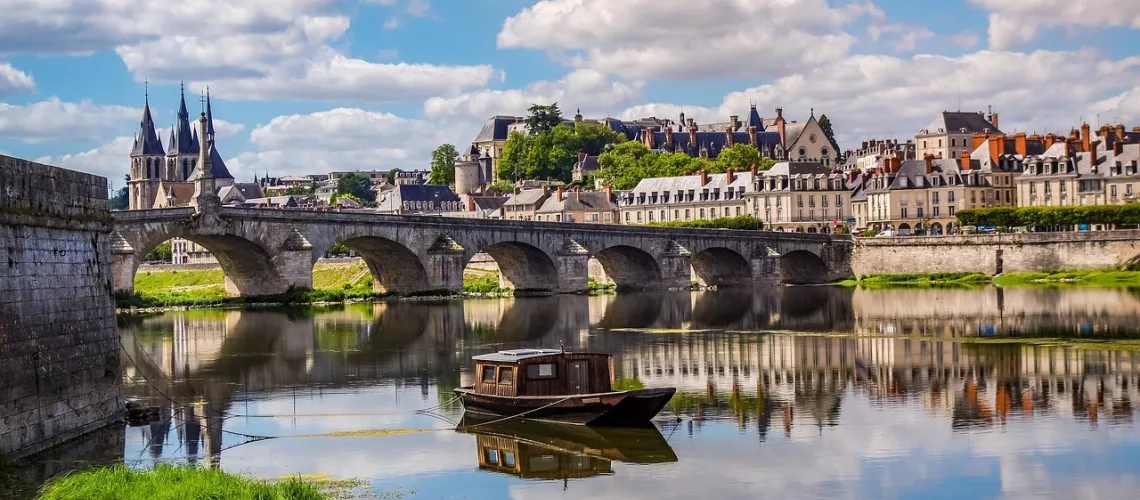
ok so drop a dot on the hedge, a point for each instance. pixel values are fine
(1050, 216)
(746, 222)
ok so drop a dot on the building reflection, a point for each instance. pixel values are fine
(195, 365)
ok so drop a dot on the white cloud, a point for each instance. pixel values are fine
(662, 39)
(1121, 108)
(593, 91)
(14, 81)
(1013, 23)
(54, 120)
(110, 160)
(884, 96)
(258, 49)
(346, 139)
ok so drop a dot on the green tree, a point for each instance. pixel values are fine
(765, 164)
(543, 118)
(358, 185)
(392, 176)
(594, 137)
(299, 190)
(443, 165)
(825, 125)
(121, 200)
(163, 252)
(627, 163)
(503, 186)
(738, 157)
(516, 152)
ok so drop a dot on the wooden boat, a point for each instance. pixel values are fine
(635, 444)
(553, 385)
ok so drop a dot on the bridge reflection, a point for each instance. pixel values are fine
(198, 364)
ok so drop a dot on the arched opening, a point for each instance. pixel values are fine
(629, 268)
(799, 229)
(801, 267)
(904, 229)
(811, 230)
(721, 267)
(523, 267)
(394, 269)
(936, 229)
(204, 268)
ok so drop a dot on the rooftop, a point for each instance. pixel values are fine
(513, 355)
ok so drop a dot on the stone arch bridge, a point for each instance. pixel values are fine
(267, 251)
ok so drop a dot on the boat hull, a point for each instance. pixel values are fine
(621, 408)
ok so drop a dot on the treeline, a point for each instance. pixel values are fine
(1050, 216)
(744, 222)
(625, 164)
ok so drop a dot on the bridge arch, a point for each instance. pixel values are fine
(523, 267)
(801, 267)
(721, 266)
(248, 268)
(395, 268)
(629, 267)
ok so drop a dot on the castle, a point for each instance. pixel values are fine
(160, 178)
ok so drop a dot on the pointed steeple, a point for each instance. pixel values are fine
(209, 117)
(217, 165)
(182, 141)
(147, 141)
(754, 119)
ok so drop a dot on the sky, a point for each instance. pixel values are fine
(312, 86)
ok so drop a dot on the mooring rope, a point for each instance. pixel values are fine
(517, 415)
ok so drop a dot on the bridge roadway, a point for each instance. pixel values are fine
(270, 251)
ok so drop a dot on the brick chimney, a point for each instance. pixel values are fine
(1120, 131)
(609, 190)
(704, 178)
(1092, 154)
(929, 158)
(734, 119)
(977, 140)
(1086, 137)
(558, 194)
(728, 176)
(752, 138)
(1019, 144)
(997, 146)
(692, 134)
(754, 171)
(470, 203)
(691, 122)
(966, 161)
(650, 136)
(728, 137)
(994, 121)
(780, 125)
(1050, 139)
(578, 194)
(669, 135)
(894, 164)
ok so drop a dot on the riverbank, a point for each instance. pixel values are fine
(333, 282)
(179, 482)
(1108, 278)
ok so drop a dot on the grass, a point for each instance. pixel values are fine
(1109, 278)
(483, 283)
(167, 482)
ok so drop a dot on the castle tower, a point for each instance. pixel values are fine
(147, 163)
(182, 149)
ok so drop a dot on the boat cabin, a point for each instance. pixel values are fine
(542, 372)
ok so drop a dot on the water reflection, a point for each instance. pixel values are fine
(847, 413)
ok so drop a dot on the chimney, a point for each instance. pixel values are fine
(929, 158)
(1093, 154)
(1120, 131)
(966, 161)
(650, 136)
(752, 137)
(692, 134)
(669, 135)
(470, 203)
(894, 164)
(609, 190)
(559, 193)
(692, 123)
(1019, 144)
(997, 146)
(780, 126)
(578, 194)
(977, 141)
(704, 178)
(779, 113)
(1086, 137)
(754, 171)
(1049, 140)
(581, 157)
(734, 119)
(728, 176)
(1118, 148)
(728, 137)
(994, 121)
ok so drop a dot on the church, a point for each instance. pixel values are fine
(163, 177)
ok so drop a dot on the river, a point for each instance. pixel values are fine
(890, 403)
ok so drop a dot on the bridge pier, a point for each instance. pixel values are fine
(766, 270)
(445, 270)
(573, 273)
(676, 271)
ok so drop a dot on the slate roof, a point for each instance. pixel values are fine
(580, 200)
(249, 190)
(182, 191)
(496, 128)
(527, 197)
(687, 182)
(488, 203)
(146, 140)
(954, 121)
(434, 194)
(790, 168)
(182, 136)
(217, 166)
(713, 142)
(513, 355)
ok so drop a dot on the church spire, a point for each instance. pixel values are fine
(182, 141)
(146, 140)
(209, 117)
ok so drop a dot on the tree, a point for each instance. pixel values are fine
(543, 118)
(502, 186)
(358, 185)
(738, 157)
(392, 174)
(825, 126)
(765, 164)
(443, 165)
(626, 164)
(594, 137)
(163, 252)
(299, 190)
(513, 165)
(121, 200)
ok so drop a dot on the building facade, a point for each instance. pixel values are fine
(800, 197)
(951, 134)
(592, 207)
(688, 197)
(922, 196)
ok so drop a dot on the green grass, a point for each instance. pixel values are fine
(166, 482)
(481, 283)
(1108, 278)
(917, 280)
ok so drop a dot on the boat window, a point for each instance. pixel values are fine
(506, 375)
(508, 458)
(488, 374)
(491, 456)
(541, 370)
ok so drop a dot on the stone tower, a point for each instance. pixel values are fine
(182, 149)
(147, 163)
(205, 142)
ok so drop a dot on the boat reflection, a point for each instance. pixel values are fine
(547, 451)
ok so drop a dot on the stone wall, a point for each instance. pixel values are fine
(59, 351)
(995, 253)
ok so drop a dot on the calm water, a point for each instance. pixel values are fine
(899, 411)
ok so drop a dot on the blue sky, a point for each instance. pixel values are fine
(308, 86)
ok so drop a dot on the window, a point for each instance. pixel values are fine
(650, 216)
(935, 209)
(676, 214)
(712, 213)
(951, 210)
(934, 197)
(639, 216)
(662, 215)
(627, 216)
(1127, 190)
(541, 370)
(738, 210)
(702, 212)
(902, 212)
(919, 210)
(506, 375)
(491, 456)
(686, 214)
(839, 200)
(1112, 189)
(508, 459)
(488, 374)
